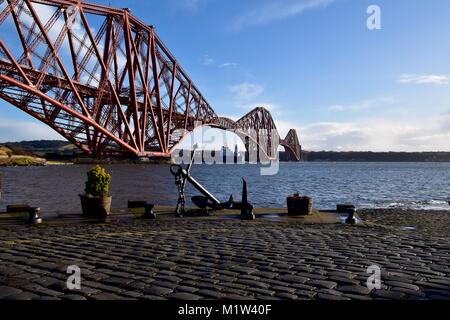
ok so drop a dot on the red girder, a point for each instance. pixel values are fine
(105, 81)
(292, 146)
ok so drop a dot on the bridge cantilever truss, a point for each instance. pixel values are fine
(106, 82)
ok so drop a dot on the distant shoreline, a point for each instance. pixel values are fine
(64, 152)
(374, 161)
(406, 157)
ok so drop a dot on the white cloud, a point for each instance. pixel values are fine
(381, 134)
(190, 5)
(277, 10)
(228, 65)
(269, 106)
(13, 130)
(246, 91)
(207, 60)
(274, 109)
(425, 79)
(362, 105)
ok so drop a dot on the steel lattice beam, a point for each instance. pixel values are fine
(292, 145)
(106, 82)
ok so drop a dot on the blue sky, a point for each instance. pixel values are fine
(313, 63)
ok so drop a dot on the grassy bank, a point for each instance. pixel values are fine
(21, 162)
(8, 157)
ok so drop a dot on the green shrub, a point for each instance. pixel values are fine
(98, 182)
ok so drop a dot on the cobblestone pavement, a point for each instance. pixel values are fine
(222, 259)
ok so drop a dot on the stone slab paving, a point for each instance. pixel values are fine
(194, 259)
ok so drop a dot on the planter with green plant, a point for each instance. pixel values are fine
(299, 205)
(96, 202)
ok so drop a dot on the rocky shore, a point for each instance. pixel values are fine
(223, 258)
(432, 222)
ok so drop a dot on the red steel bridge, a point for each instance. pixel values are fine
(106, 82)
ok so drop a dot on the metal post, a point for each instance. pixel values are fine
(351, 219)
(149, 214)
(247, 208)
(34, 216)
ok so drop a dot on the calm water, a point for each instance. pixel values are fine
(412, 185)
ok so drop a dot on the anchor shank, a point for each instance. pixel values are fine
(199, 187)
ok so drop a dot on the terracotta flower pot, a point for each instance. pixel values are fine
(299, 205)
(98, 207)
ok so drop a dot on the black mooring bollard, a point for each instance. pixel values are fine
(33, 217)
(149, 214)
(248, 215)
(247, 208)
(351, 219)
